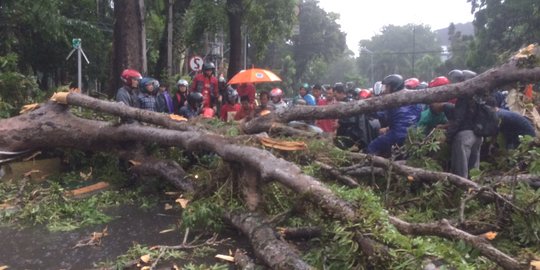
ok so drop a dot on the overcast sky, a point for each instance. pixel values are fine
(362, 19)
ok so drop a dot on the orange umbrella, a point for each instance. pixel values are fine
(254, 75)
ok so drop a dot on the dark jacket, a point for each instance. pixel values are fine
(127, 96)
(179, 101)
(464, 114)
(512, 126)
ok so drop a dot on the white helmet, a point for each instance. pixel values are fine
(182, 82)
(378, 88)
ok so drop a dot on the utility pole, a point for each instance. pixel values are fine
(76, 43)
(413, 48)
(371, 65)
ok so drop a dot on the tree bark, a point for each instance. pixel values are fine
(275, 253)
(129, 40)
(234, 13)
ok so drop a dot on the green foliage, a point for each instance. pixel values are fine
(203, 16)
(392, 52)
(525, 227)
(16, 89)
(320, 37)
(40, 33)
(425, 151)
(104, 166)
(49, 206)
(277, 198)
(268, 21)
(496, 34)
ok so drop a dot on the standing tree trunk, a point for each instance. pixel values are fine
(164, 62)
(169, 37)
(234, 12)
(129, 40)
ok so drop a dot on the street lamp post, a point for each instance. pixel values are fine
(371, 65)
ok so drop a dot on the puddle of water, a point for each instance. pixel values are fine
(38, 248)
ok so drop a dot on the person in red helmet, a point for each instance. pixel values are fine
(206, 84)
(412, 83)
(440, 81)
(127, 94)
(364, 93)
(437, 113)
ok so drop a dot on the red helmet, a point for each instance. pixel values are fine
(208, 113)
(276, 92)
(438, 81)
(130, 74)
(412, 83)
(364, 93)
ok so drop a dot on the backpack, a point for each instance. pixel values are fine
(486, 121)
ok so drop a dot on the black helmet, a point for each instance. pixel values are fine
(456, 76)
(208, 65)
(195, 99)
(468, 74)
(338, 87)
(395, 81)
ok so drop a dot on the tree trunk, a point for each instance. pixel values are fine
(234, 13)
(164, 62)
(129, 40)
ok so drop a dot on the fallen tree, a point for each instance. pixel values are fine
(521, 68)
(53, 126)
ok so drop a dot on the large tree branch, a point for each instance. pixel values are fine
(489, 80)
(275, 253)
(445, 230)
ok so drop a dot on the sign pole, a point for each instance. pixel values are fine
(76, 44)
(79, 69)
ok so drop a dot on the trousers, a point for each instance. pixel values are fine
(465, 152)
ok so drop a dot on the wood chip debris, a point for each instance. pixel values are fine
(183, 202)
(283, 145)
(225, 257)
(28, 108)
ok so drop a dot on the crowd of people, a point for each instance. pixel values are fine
(466, 120)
